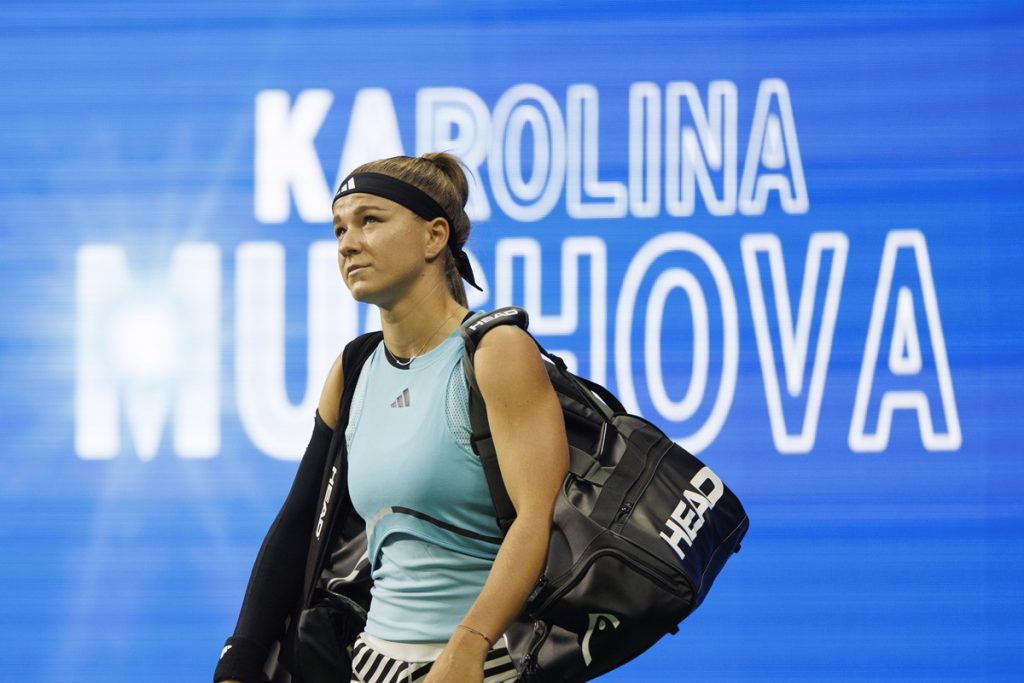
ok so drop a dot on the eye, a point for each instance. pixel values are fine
(339, 231)
(368, 218)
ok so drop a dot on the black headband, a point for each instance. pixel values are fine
(412, 198)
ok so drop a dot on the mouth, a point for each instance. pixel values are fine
(353, 269)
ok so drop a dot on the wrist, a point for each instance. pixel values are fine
(469, 639)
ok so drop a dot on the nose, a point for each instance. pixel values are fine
(348, 244)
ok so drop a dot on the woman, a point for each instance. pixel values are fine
(441, 598)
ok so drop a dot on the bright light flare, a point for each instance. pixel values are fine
(145, 343)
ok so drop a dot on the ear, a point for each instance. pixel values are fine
(437, 237)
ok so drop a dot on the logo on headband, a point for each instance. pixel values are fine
(348, 185)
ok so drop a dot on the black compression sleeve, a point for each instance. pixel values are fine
(275, 585)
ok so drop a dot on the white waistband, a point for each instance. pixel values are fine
(407, 652)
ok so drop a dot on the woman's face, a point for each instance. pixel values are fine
(381, 247)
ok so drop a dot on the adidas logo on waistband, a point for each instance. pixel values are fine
(402, 401)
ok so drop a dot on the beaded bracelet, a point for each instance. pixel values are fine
(473, 630)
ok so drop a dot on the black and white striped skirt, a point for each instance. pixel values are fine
(372, 666)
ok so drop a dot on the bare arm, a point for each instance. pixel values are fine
(529, 436)
(330, 396)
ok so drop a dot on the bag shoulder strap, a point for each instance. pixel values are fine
(473, 331)
(476, 326)
(353, 358)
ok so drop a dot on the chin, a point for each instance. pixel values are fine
(365, 295)
(359, 293)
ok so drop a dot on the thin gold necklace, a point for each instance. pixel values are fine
(409, 361)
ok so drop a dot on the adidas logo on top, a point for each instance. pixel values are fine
(402, 401)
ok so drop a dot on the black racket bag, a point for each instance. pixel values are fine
(641, 529)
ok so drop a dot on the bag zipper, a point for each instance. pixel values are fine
(636, 491)
(578, 573)
(621, 515)
(529, 662)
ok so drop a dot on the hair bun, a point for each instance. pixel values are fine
(452, 168)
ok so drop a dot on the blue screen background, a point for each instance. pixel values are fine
(133, 128)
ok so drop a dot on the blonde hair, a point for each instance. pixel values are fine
(440, 175)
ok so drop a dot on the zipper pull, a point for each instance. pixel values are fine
(620, 516)
(542, 583)
(530, 666)
(529, 669)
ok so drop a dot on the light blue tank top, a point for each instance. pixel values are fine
(413, 477)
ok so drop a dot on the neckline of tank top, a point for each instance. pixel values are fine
(400, 363)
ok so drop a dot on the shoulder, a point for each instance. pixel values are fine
(505, 345)
(508, 338)
(356, 352)
(507, 362)
(330, 396)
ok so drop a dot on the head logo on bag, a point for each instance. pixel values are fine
(688, 517)
(598, 622)
(504, 313)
